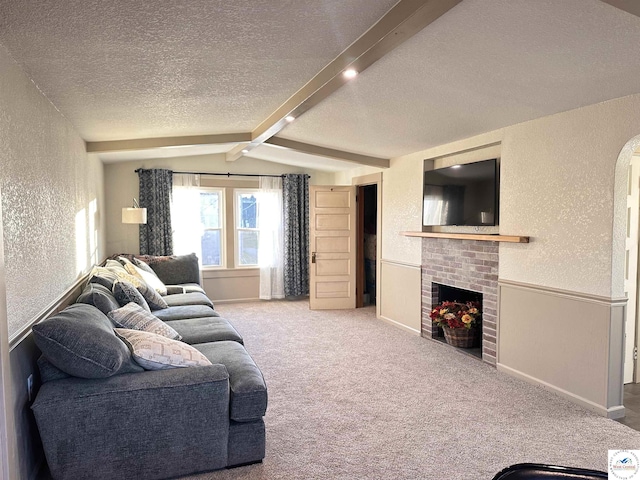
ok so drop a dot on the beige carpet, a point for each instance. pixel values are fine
(351, 397)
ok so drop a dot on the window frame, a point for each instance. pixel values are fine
(237, 192)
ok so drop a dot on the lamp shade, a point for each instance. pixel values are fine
(134, 215)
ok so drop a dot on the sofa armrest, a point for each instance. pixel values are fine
(155, 424)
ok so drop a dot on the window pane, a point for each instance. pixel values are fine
(210, 209)
(247, 215)
(248, 247)
(211, 248)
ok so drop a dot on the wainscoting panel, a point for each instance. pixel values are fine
(400, 295)
(232, 285)
(568, 342)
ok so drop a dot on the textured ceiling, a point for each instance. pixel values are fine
(119, 69)
(484, 65)
(122, 69)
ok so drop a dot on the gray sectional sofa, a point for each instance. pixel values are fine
(101, 415)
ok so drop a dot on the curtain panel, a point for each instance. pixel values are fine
(296, 234)
(270, 239)
(185, 215)
(155, 196)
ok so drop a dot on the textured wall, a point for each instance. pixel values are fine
(51, 198)
(557, 186)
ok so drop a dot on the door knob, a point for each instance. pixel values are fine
(313, 257)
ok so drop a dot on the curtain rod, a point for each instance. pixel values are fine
(224, 174)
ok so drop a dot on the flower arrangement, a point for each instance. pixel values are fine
(456, 314)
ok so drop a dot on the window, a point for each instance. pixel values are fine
(211, 217)
(246, 226)
(198, 224)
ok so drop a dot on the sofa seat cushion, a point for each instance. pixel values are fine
(184, 288)
(80, 341)
(203, 330)
(191, 298)
(181, 312)
(248, 400)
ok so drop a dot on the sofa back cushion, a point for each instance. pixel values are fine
(99, 296)
(175, 269)
(80, 341)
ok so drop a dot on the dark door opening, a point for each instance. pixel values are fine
(366, 245)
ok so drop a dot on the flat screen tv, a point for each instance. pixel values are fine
(464, 194)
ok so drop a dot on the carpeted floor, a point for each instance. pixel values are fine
(351, 397)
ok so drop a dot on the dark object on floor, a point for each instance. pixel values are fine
(533, 471)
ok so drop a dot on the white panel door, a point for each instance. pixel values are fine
(332, 268)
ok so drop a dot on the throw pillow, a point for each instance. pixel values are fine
(155, 352)
(153, 299)
(151, 279)
(135, 317)
(103, 276)
(125, 293)
(122, 274)
(80, 341)
(143, 265)
(99, 296)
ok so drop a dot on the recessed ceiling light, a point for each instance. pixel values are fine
(289, 118)
(456, 166)
(350, 73)
(246, 150)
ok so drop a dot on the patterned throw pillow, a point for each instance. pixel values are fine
(135, 317)
(155, 352)
(125, 293)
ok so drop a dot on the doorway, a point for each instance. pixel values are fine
(631, 284)
(367, 245)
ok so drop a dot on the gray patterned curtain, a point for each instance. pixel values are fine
(155, 195)
(295, 191)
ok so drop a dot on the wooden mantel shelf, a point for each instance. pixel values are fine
(470, 236)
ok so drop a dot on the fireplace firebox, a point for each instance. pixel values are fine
(447, 293)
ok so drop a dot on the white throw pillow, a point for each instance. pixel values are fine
(150, 278)
(155, 352)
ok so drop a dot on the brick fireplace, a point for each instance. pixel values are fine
(464, 264)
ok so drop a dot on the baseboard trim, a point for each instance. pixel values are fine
(400, 325)
(612, 412)
(239, 300)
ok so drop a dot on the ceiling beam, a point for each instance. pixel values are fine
(328, 152)
(145, 143)
(629, 6)
(404, 20)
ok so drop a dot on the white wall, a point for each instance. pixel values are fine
(52, 197)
